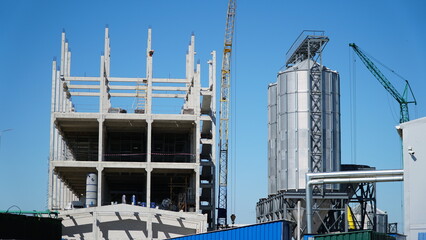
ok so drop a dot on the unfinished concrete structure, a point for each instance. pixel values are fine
(161, 165)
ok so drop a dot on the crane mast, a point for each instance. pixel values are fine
(401, 99)
(225, 97)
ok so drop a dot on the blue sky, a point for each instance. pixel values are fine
(392, 31)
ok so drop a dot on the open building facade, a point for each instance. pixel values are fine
(132, 173)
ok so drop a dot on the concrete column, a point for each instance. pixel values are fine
(149, 168)
(56, 105)
(100, 187)
(107, 55)
(101, 137)
(52, 109)
(62, 72)
(149, 122)
(149, 55)
(197, 140)
(65, 74)
(149, 224)
(61, 194)
(58, 192)
(190, 73)
(197, 189)
(197, 91)
(69, 195)
(69, 103)
(52, 191)
(102, 87)
(148, 186)
(95, 227)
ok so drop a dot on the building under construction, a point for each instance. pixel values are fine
(132, 173)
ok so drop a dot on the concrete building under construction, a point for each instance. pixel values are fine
(133, 173)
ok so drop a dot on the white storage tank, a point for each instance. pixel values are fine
(289, 126)
(91, 190)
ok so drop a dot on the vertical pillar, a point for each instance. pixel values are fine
(190, 73)
(68, 200)
(65, 74)
(148, 186)
(95, 227)
(52, 108)
(299, 220)
(197, 188)
(148, 168)
(102, 86)
(56, 105)
(52, 190)
(148, 200)
(101, 137)
(149, 122)
(149, 55)
(197, 91)
(100, 187)
(149, 224)
(58, 192)
(52, 133)
(61, 196)
(107, 55)
(69, 103)
(212, 85)
(62, 71)
(197, 140)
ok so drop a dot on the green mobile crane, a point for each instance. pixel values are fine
(402, 99)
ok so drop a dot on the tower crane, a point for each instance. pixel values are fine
(402, 99)
(225, 97)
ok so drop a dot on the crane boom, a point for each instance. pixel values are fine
(400, 98)
(225, 97)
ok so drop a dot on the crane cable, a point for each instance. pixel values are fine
(352, 103)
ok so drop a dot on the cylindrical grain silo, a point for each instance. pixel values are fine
(293, 126)
(91, 190)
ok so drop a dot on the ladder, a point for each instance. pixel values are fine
(140, 97)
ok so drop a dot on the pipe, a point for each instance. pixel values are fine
(347, 174)
(345, 177)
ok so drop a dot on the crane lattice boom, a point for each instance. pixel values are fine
(225, 97)
(400, 98)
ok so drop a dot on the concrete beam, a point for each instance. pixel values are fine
(162, 88)
(161, 95)
(85, 94)
(73, 86)
(122, 79)
(170, 80)
(82, 79)
(83, 165)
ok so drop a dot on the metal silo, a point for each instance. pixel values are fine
(304, 136)
(292, 130)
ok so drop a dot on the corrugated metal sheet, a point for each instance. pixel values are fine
(358, 235)
(278, 230)
(398, 236)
